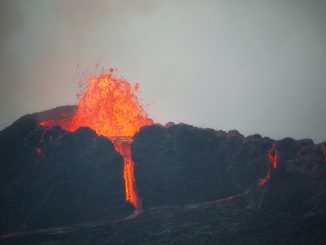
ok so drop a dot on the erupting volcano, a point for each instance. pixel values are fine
(109, 106)
(65, 187)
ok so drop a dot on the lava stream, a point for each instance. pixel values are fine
(272, 159)
(272, 156)
(123, 146)
(265, 179)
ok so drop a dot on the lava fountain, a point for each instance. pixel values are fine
(109, 106)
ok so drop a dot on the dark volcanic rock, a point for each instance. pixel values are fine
(183, 164)
(298, 185)
(188, 179)
(51, 177)
(56, 116)
(288, 209)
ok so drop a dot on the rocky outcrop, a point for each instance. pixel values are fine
(51, 177)
(60, 115)
(183, 164)
(288, 209)
(193, 183)
(298, 184)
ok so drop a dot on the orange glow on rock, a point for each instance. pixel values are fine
(123, 146)
(272, 156)
(109, 106)
(264, 180)
(49, 123)
(38, 151)
(272, 159)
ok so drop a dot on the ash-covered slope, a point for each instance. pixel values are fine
(51, 177)
(198, 186)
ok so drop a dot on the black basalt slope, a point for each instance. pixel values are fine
(51, 177)
(198, 186)
(184, 164)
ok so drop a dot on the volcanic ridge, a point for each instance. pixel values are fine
(102, 172)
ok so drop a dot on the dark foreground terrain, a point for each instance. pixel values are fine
(198, 186)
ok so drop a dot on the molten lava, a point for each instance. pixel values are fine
(123, 146)
(272, 159)
(109, 106)
(265, 179)
(272, 156)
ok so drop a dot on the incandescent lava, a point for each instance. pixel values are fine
(109, 106)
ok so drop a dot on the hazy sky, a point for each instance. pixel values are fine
(258, 66)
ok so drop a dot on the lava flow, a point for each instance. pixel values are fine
(272, 159)
(109, 106)
(122, 145)
(272, 156)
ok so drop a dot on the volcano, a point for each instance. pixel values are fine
(102, 172)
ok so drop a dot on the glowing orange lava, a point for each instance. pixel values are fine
(272, 156)
(123, 146)
(265, 179)
(109, 106)
(272, 159)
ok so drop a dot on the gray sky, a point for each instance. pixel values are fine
(258, 66)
